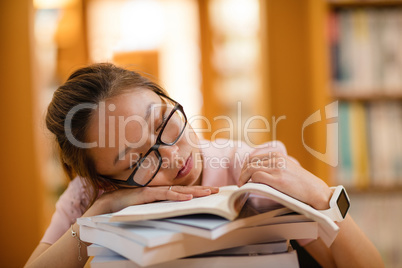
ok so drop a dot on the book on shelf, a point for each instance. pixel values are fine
(370, 144)
(193, 245)
(365, 49)
(386, 143)
(395, 121)
(359, 144)
(381, 145)
(285, 259)
(345, 167)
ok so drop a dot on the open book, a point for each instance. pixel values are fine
(227, 203)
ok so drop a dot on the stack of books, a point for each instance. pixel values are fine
(250, 225)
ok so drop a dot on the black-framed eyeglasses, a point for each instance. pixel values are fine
(148, 166)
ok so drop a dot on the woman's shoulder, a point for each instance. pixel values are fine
(75, 186)
(76, 194)
(70, 206)
(223, 159)
(226, 147)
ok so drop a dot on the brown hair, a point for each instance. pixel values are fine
(88, 85)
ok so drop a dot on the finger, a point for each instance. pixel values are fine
(263, 177)
(213, 189)
(176, 196)
(275, 162)
(263, 157)
(255, 160)
(269, 166)
(151, 194)
(248, 171)
(196, 191)
(135, 196)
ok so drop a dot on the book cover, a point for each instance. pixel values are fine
(254, 249)
(144, 235)
(284, 260)
(193, 245)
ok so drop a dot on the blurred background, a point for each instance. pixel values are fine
(281, 61)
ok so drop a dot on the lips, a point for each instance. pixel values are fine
(186, 169)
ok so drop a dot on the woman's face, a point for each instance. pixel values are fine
(126, 126)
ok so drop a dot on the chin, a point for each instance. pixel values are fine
(191, 179)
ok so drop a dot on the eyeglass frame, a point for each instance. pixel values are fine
(155, 148)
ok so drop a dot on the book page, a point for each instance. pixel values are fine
(216, 204)
(328, 229)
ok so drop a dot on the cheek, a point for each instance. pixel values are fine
(134, 132)
(198, 164)
(161, 179)
(191, 138)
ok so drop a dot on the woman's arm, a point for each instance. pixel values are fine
(63, 253)
(66, 252)
(351, 247)
(360, 251)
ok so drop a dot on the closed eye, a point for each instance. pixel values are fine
(161, 124)
(134, 164)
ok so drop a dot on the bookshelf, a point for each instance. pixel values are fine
(297, 80)
(364, 39)
(370, 3)
(354, 96)
(365, 76)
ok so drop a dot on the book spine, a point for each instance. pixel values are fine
(287, 259)
(194, 245)
(344, 173)
(358, 135)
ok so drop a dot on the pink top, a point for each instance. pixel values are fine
(223, 160)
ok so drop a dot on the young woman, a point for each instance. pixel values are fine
(124, 142)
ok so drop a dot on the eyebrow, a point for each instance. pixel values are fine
(125, 151)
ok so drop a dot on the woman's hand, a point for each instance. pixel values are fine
(119, 199)
(286, 175)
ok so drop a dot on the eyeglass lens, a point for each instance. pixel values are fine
(173, 128)
(171, 133)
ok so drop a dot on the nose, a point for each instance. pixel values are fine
(169, 155)
(168, 150)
